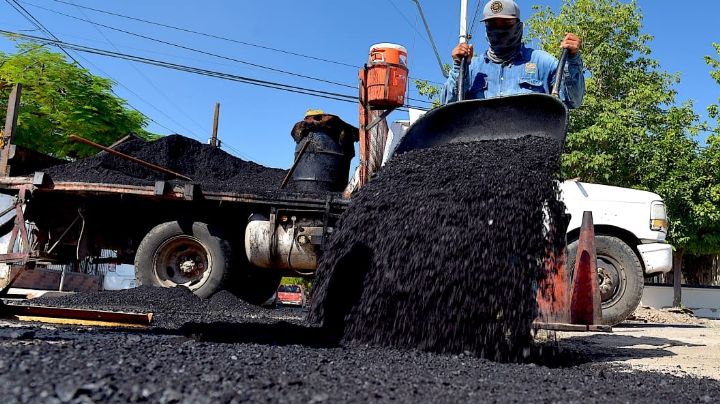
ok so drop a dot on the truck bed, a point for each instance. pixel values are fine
(42, 184)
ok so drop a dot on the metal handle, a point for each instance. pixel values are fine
(461, 80)
(560, 73)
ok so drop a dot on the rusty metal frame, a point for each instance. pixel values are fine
(18, 229)
(176, 192)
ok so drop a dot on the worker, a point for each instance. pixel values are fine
(508, 67)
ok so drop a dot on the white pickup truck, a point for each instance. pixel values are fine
(630, 229)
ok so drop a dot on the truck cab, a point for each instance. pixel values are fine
(630, 229)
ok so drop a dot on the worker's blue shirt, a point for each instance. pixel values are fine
(531, 71)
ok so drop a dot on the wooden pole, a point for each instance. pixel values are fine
(11, 116)
(216, 117)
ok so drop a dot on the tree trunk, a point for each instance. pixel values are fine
(677, 278)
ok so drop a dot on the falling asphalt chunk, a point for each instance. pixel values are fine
(443, 250)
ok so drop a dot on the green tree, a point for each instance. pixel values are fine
(61, 98)
(429, 90)
(630, 130)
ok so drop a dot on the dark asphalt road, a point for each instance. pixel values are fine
(249, 356)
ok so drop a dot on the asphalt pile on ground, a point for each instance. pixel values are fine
(212, 168)
(56, 365)
(172, 308)
(442, 251)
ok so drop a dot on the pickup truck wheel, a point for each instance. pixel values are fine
(188, 254)
(620, 277)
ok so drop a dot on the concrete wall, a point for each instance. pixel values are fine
(704, 302)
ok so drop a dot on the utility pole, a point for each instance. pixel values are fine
(214, 142)
(8, 133)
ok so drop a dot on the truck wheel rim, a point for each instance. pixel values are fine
(182, 260)
(611, 280)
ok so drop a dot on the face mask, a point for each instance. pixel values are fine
(504, 42)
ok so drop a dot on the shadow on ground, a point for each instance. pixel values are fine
(613, 347)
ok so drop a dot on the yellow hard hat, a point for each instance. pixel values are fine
(311, 112)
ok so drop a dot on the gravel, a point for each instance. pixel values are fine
(442, 251)
(66, 364)
(212, 168)
(172, 308)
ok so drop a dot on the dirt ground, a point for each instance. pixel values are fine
(667, 341)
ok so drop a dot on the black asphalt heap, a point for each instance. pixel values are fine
(443, 249)
(171, 307)
(208, 166)
(63, 364)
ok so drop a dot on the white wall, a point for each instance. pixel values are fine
(704, 302)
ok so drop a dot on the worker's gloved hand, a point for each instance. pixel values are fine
(463, 50)
(572, 43)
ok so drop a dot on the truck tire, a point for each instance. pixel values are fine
(183, 253)
(620, 276)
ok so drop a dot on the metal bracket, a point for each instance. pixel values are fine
(379, 119)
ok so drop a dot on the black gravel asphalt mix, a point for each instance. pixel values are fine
(53, 364)
(442, 251)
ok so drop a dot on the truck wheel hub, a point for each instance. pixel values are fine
(608, 279)
(187, 265)
(182, 260)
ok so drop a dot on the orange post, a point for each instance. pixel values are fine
(585, 303)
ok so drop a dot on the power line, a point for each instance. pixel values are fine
(432, 41)
(475, 16)
(197, 70)
(136, 95)
(176, 45)
(96, 24)
(222, 38)
(150, 82)
(187, 30)
(22, 11)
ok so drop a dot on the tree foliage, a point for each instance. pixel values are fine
(61, 98)
(630, 131)
(429, 90)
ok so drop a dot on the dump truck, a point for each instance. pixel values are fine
(176, 232)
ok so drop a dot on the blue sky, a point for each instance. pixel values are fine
(255, 122)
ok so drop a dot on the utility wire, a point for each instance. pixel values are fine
(196, 70)
(150, 82)
(222, 38)
(475, 16)
(211, 35)
(192, 49)
(95, 24)
(430, 37)
(193, 134)
(103, 72)
(22, 11)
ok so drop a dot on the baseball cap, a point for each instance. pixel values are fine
(501, 9)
